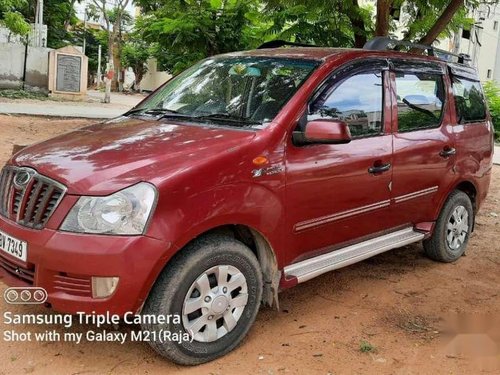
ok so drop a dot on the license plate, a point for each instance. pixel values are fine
(13, 246)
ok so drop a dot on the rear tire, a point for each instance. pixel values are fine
(452, 230)
(215, 286)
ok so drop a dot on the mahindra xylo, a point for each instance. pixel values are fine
(244, 175)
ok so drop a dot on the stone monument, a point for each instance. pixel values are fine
(68, 73)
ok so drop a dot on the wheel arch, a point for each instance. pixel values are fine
(256, 242)
(261, 247)
(466, 186)
(470, 189)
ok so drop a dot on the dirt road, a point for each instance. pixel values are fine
(386, 315)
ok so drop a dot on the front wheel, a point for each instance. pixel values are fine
(215, 287)
(452, 230)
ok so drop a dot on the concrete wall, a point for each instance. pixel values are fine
(153, 78)
(8, 37)
(12, 67)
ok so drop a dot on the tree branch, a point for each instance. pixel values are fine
(358, 25)
(442, 21)
(382, 19)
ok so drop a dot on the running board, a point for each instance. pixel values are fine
(310, 268)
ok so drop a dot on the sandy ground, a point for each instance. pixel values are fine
(398, 303)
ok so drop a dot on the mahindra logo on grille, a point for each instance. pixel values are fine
(23, 176)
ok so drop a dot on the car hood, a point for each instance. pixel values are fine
(106, 157)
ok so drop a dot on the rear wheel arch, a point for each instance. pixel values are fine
(466, 186)
(470, 189)
(453, 227)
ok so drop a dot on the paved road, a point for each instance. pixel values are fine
(93, 108)
(55, 109)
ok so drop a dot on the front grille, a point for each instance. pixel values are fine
(25, 274)
(27, 197)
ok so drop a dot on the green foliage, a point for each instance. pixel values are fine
(59, 15)
(135, 53)
(422, 14)
(366, 347)
(93, 38)
(15, 22)
(12, 18)
(332, 23)
(492, 93)
(185, 31)
(20, 94)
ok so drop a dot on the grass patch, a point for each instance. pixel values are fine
(366, 347)
(22, 94)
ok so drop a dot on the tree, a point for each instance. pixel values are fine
(185, 31)
(352, 24)
(112, 21)
(442, 22)
(425, 20)
(12, 18)
(93, 37)
(59, 16)
(335, 23)
(135, 53)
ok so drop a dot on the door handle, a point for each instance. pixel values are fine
(379, 168)
(447, 151)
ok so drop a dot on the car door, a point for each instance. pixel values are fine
(424, 150)
(332, 197)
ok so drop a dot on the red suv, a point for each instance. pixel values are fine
(244, 175)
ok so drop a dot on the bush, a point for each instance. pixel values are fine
(492, 92)
(21, 94)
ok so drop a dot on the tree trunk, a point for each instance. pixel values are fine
(442, 21)
(138, 78)
(358, 25)
(382, 20)
(118, 68)
(109, 72)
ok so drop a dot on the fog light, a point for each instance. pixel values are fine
(103, 287)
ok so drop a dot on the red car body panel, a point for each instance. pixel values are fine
(204, 178)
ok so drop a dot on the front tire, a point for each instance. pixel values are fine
(452, 230)
(215, 286)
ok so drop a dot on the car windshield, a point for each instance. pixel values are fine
(235, 91)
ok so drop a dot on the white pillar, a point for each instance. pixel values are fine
(99, 66)
(40, 30)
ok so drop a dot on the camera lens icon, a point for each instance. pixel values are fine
(25, 296)
(11, 295)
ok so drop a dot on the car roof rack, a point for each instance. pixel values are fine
(282, 43)
(381, 43)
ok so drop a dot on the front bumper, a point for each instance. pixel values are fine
(63, 263)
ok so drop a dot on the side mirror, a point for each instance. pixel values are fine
(327, 131)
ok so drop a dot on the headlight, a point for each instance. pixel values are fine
(125, 212)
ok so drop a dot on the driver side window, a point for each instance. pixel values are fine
(356, 100)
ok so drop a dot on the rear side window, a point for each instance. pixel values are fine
(469, 100)
(357, 101)
(420, 98)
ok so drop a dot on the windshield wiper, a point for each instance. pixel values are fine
(227, 117)
(219, 117)
(155, 112)
(162, 111)
(134, 110)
